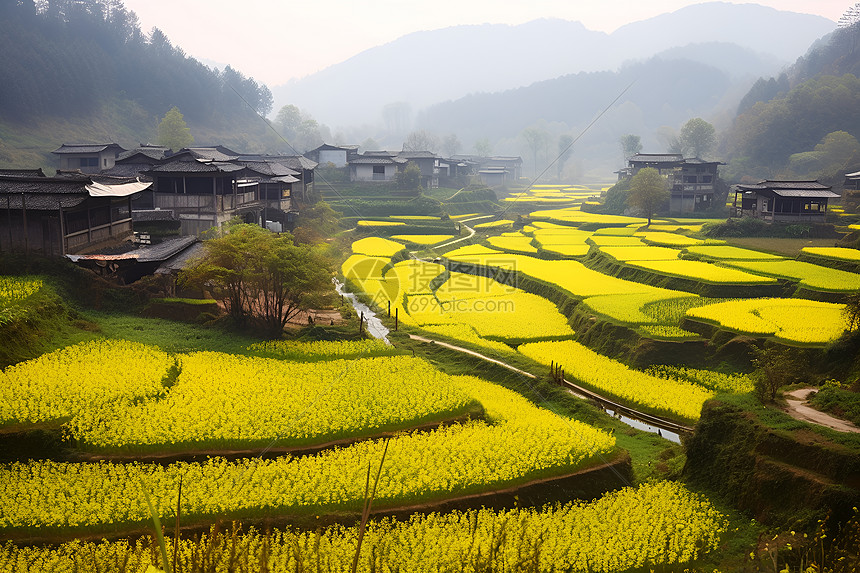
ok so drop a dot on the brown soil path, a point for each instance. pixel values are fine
(574, 389)
(799, 409)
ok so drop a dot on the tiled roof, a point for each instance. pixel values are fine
(656, 158)
(811, 189)
(21, 172)
(41, 201)
(144, 254)
(181, 260)
(70, 148)
(268, 168)
(698, 161)
(216, 153)
(127, 170)
(418, 154)
(813, 193)
(768, 184)
(154, 153)
(41, 193)
(363, 160)
(194, 167)
(43, 185)
(296, 162)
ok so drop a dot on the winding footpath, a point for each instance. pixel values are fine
(798, 408)
(574, 389)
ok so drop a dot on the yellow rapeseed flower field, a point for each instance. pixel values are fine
(223, 401)
(655, 524)
(522, 442)
(376, 247)
(792, 320)
(677, 398)
(91, 375)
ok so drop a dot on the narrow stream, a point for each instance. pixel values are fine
(373, 325)
(639, 425)
(378, 330)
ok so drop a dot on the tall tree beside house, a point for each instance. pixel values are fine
(698, 137)
(409, 179)
(288, 121)
(668, 138)
(630, 145)
(260, 277)
(173, 133)
(483, 147)
(648, 192)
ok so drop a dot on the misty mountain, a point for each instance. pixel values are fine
(428, 67)
(659, 92)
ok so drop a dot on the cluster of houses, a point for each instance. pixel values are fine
(693, 188)
(383, 166)
(101, 190)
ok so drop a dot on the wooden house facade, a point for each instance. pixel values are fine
(55, 216)
(692, 181)
(203, 193)
(784, 201)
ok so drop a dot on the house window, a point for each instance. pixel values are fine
(379, 169)
(689, 178)
(707, 178)
(89, 161)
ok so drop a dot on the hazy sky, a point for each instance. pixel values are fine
(276, 40)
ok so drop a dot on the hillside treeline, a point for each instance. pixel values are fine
(68, 57)
(806, 122)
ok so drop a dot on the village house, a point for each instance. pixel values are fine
(337, 155)
(87, 157)
(275, 182)
(55, 216)
(783, 201)
(378, 166)
(301, 191)
(428, 163)
(692, 181)
(497, 171)
(202, 191)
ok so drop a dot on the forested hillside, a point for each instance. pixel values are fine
(805, 123)
(84, 69)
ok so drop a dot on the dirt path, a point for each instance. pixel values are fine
(799, 410)
(574, 389)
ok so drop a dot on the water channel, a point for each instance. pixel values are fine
(378, 330)
(373, 325)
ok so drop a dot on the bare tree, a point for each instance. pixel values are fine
(536, 140)
(421, 141)
(451, 145)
